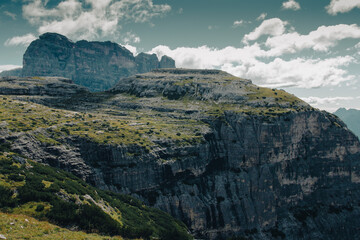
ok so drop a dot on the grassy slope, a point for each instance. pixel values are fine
(53, 195)
(20, 226)
(21, 116)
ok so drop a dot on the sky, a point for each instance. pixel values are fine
(306, 47)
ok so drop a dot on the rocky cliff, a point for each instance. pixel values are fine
(226, 157)
(95, 65)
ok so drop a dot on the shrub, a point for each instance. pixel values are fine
(6, 199)
(39, 208)
(16, 177)
(92, 219)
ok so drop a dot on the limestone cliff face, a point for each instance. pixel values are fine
(261, 164)
(95, 65)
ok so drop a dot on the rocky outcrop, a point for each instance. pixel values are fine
(244, 161)
(11, 73)
(166, 62)
(95, 65)
(41, 86)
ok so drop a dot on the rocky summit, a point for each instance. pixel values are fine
(226, 157)
(95, 65)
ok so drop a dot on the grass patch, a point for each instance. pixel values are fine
(20, 226)
(57, 196)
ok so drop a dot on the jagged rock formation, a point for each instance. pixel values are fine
(351, 117)
(226, 157)
(95, 65)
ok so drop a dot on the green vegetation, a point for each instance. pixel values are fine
(53, 195)
(131, 129)
(20, 226)
(280, 96)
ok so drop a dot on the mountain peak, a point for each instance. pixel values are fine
(95, 65)
(53, 37)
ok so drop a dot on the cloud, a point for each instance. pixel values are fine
(342, 6)
(131, 49)
(326, 100)
(298, 72)
(10, 14)
(330, 104)
(272, 27)
(357, 45)
(211, 27)
(20, 40)
(238, 23)
(8, 67)
(130, 37)
(261, 17)
(291, 5)
(320, 39)
(90, 19)
(244, 62)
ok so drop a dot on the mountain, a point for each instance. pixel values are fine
(226, 157)
(351, 117)
(14, 73)
(95, 65)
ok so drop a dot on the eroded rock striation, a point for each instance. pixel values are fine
(226, 157)
(95, 65)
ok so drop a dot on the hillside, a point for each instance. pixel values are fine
(50, 194)
(352, 119)
(19, 226)
(224, 156)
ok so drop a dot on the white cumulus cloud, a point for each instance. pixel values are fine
(20, 40)
(330, 104)
(90, 18)
(272, 27)
(320, 39)
(244, 62)
(291, 5)
(326, 100)
(342, 6)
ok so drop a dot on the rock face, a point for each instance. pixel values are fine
(95, 65)
(49, 86)
(244, 161)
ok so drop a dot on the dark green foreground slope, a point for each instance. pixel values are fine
(50, 194)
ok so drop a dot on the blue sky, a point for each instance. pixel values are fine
(309, 48)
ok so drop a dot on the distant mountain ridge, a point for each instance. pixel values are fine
(16, 72)
(95, 65)
(351, 117)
